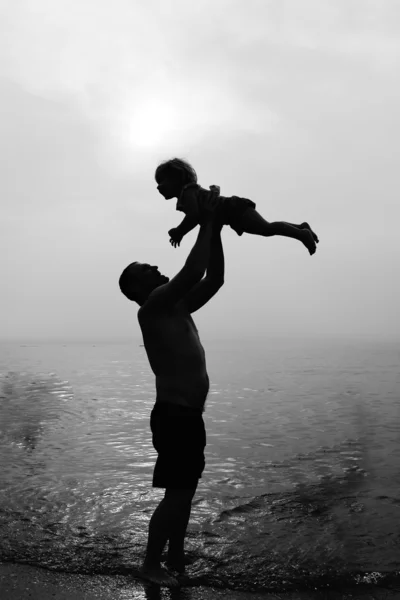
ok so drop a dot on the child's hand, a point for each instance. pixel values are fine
(175, 237)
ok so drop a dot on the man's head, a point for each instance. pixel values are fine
(138, 280)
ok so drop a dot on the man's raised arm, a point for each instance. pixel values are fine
(199, 257)
(216, 263)
(205, 289)
(191, 273)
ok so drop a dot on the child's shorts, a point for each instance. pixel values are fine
(232, 211)
(179, 437)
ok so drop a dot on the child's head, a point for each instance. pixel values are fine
(172, 175)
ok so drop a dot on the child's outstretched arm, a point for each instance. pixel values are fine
(188, 223)
(192, 218)
(177, 233)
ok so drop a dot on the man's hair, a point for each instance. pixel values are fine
(177, 164)
(127, 283)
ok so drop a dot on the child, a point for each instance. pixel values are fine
(177, 179)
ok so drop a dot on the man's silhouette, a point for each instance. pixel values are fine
(177, 359)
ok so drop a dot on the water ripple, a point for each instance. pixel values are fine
(301, 468)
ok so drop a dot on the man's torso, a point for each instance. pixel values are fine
(176, 355)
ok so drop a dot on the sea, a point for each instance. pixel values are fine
(301, 488)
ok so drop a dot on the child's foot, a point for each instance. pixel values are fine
(158, 575)
(306, 226)
(308, 240)
(178, 563)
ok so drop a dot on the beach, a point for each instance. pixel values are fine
(300, 490)
(23, 582)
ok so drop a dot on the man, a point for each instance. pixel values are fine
(177, 359)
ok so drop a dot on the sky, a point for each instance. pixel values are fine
(291, 103)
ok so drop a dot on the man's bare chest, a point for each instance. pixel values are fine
(168, 326)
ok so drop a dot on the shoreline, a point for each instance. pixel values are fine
(24, 582)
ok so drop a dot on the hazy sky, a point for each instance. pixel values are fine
(292, 103)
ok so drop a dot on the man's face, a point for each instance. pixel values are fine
(147, 277)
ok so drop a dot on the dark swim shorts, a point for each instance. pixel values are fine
(179, 437)
(232, 212)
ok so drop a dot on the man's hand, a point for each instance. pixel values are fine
(208, 286)
(175, 237)
(215, 219)
(217, 223)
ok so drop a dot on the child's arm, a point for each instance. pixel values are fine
(177, 233)
(191, 208)
(188, 223)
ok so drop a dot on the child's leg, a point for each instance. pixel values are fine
(252, 222)
(305, 226)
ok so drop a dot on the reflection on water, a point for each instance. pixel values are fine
(299, 485)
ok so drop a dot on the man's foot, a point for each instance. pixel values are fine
(306, 226)
(178, 563)
(158, 575)
(308, 240)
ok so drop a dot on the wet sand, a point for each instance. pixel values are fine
(23, 582)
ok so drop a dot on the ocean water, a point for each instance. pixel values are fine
(301, 487)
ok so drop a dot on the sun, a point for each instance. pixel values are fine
(154, 123)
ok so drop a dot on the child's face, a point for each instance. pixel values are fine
(169, 185)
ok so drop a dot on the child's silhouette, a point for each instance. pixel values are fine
(177, 179)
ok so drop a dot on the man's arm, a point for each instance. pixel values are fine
(205, 289)
(192, 272)
(190, 207)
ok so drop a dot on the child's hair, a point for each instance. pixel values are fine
(177, 164)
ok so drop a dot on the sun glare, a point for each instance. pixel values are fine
(154, 124)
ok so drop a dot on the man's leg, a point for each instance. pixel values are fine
(176, 541)
(169, 521)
